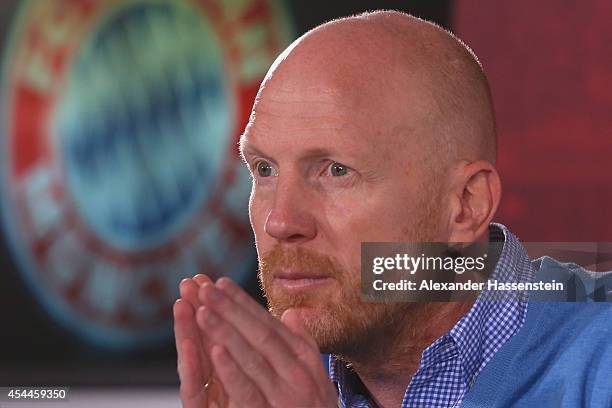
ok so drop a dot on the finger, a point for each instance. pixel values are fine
(252, 363)
(216, 396)
(311, 355)
(292, 320)
(256, 311)
(241, 390)
(185, 328)
(189, 292)
(265, 338)
(192, 392)
(188, 289)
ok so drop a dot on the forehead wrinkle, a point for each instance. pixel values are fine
(320, 98)
(317, 132)
(287, 111)
(274, 117)
(290, 88)
(271, 118)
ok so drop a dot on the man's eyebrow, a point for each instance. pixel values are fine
(313, 153)
(248, 148)
(316, 153)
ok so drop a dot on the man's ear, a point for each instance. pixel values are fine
(475, 196)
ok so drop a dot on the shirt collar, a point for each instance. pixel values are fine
(345, 380)
(496, 315)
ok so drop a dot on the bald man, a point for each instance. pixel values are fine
(374, 128)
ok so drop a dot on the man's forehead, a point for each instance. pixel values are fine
(310, 91)
(317, 139)
(308, 114)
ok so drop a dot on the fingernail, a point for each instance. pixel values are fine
(200, 279)
(223, 282)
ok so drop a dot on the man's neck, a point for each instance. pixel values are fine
(388, 365)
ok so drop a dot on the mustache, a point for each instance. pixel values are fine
(299, 258)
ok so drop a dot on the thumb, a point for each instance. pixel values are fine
(291, 318)
(293, 321)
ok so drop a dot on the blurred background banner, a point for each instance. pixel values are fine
(120, 175)
(119, 160)
(550, 67)
(120, 166)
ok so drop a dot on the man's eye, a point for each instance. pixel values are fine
(264, 169)
(338, 170)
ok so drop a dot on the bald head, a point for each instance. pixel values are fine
(419, 83)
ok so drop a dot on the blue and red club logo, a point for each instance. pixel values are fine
(120, 171)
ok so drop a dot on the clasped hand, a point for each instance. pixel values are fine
(233, 353)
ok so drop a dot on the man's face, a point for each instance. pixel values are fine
(332, 168)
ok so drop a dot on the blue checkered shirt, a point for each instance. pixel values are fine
(449, 366)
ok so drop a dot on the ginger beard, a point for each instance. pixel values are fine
(334, 314)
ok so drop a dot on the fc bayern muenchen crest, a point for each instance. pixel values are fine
(120, 170)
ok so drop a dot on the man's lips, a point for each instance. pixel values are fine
(299, 280)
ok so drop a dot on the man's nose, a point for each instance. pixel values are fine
(290, 218)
